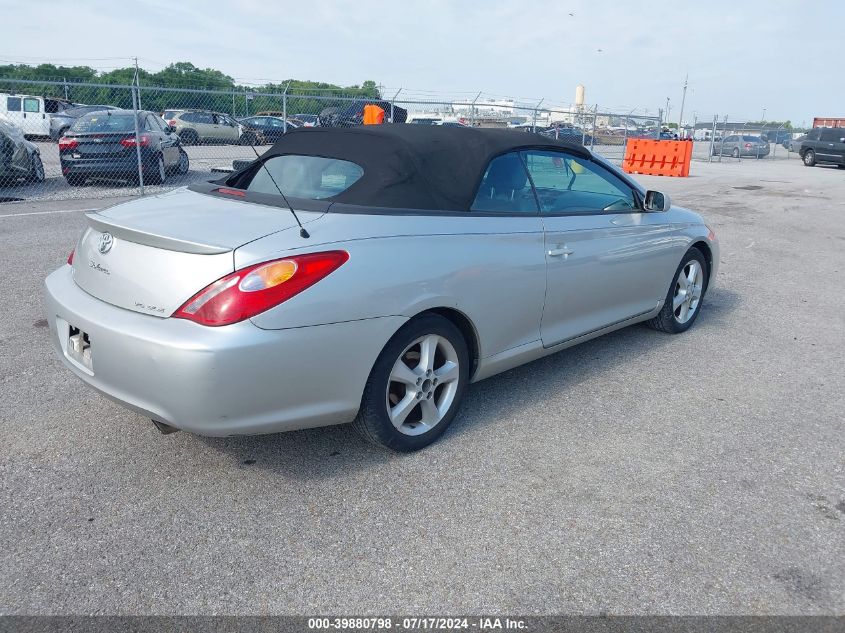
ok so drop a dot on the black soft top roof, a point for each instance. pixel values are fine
(413, 166)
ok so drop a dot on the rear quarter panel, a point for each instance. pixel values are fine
(491, 269)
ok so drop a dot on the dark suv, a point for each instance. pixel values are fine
(824, 145)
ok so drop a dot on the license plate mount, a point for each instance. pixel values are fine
(78, 348)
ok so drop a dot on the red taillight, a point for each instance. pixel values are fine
(70, 258)
(231, 192)
(68, 143)
(748, 146)
(172, 123)
(254, 289)
(129, 141)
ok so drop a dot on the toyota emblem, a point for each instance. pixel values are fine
(106, 241)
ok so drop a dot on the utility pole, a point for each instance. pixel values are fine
(683, 99)
(138, 86)
(668, 107)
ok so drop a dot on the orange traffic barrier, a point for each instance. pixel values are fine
(373, 115)
(657, 158)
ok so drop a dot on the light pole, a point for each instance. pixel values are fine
(683, 99)
(668, 107)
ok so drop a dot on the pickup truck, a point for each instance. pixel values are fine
(824, 145)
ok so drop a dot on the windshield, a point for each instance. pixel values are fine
(104, 123)
(310, 177)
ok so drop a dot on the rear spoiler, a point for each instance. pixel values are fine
(104, 224)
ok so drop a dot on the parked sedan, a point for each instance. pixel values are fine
(61, 121)
(260, 130)
(19, 158)
(104, 145)
(794, 144)
(742, 145)
(412, 261)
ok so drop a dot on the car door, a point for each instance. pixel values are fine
(35, 122)
(14, 110)
(227, 128)
(831, 145)
(607, 260)
(169, 147)
(205, 126)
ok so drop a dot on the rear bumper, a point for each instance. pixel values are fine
(233, 380)
(115, 166)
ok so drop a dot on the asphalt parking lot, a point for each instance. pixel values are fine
(636, 473)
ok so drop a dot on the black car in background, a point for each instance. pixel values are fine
(260, 130)
(61, 121)
(351, 113)
(103, 145)
(824, 145)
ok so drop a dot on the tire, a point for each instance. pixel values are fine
(735, 152)
(841, 166)
(36, 170)
(75, 181)
(809, 158)
(432, 389)
(155, 174)
(249, 139)
(676, 317)
(184, 164)
(189, 137)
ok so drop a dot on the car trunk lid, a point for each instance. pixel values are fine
(152, 254)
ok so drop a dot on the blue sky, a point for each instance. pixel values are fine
(741, 56)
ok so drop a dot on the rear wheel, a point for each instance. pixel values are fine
(36, 169)
(809, 158)
(415, 388)
(735, 152)
(683, 300)
(249, 138)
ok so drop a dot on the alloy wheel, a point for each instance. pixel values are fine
(689, 287)
(422, 385)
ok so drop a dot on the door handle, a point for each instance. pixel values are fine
(558, 252)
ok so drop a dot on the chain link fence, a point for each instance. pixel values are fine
(63, 140)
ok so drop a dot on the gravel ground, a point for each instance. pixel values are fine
(637, 473)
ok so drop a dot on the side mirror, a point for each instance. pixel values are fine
(656, 201)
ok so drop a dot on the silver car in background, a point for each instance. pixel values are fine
(741, 146)
(368, 274)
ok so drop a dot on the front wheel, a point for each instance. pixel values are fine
(184, 163)
(416, 385)
(36, 169)
(683, 300)
(156, 173)
(735, 153)
(809, 158)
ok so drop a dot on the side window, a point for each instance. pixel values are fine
(505, 187)
(568, 184)
(832, 135)
(31, 105)
(13, 104)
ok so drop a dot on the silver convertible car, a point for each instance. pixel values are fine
(368, 275)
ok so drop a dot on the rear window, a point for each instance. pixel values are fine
(169, 114)
(752, 139)
(104, 123)
(310, 177)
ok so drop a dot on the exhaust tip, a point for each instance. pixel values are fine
(165, 429)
